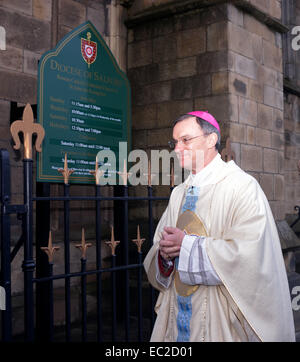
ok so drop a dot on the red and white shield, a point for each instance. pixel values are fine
(88, 50)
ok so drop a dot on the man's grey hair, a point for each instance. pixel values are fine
(205, 126)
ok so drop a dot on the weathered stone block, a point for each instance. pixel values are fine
(239, 39)
(182, 88)
(164, 48)
(201, 86)
(139, 53)
(220, 83)
(278, 141)
(97, 17)
(251, 135)
(25, 32)
(267, 184)
(273, 97)
(272, 56)
(4, 114)
(256, 90)
(270, 160)
(191, 42)
(263, 138)
(12, 59)
(18, 87)
(31, 62)
(71, 13)
(238, 84)
(159, 137)
(24, 6)
(42, 9)
(255, 26)
(235, 15)
(144, 117)
(179, 68)
(251, 158)
(279, 187)
(237, 132)
(214, 62)
(247, 111)
(257, 50)
(217, 38)
(245, 66)
(167, 112)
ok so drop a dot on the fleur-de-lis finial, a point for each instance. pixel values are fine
(28, 128)
(97, 173)
(227, 153)
(138, 241)
(66, 172)
(112, 243)
(49, 250)
(83, 246)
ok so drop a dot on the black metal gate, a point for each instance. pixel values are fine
(125, 324)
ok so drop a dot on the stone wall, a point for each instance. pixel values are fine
(221, 58)
(32, 28)
(291, 12)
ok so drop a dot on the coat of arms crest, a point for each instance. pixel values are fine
(88, 49)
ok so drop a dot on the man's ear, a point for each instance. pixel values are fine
(212, 140)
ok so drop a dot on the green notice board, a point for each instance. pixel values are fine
(83, 105)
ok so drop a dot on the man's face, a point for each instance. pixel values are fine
(192, 146)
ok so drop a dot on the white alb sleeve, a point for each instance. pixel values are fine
(194, 265)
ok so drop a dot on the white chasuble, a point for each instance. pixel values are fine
(226, 213)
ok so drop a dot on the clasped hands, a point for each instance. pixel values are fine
(170, 243)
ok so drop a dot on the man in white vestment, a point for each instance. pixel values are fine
(216, 257)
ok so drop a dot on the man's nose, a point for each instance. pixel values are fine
(179, 146)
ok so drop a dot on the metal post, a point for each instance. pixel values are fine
(28, 263)
(98, 265)
(6, 317)
(67, 262)
(43, 298)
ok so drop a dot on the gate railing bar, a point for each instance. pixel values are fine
(100, 198)
(83, 301)
(6, 317)
(28, 265)
(151, 234)
(87, 272)
(139, 287)
(127, 296)
(51, 304)
(67, 261)
(98, 265)
(113, 298)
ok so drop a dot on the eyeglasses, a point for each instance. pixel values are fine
(185, 141)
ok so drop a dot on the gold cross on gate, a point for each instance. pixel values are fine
(83, 246)
(49, 250)
(66, 172)
(28, 128)
(138, 241)
(112, 243)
